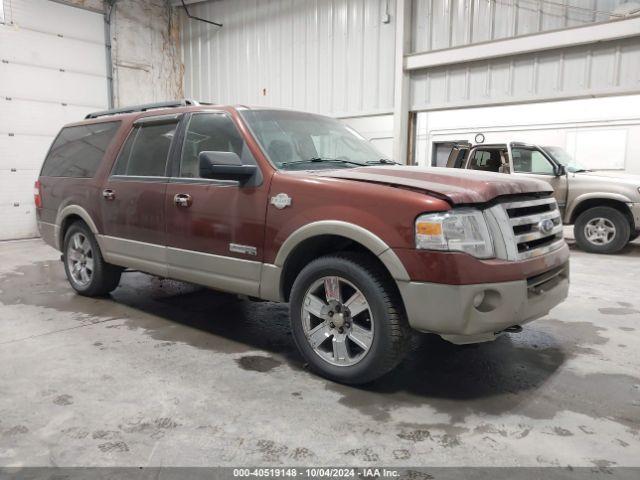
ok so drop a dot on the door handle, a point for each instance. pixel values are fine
(109, 194)
(182, 200)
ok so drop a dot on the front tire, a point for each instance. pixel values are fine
(601, 230)
(86, 270)
(347, 318)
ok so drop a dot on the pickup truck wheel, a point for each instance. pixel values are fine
(347, 318)
(86, 270)
(601, 230)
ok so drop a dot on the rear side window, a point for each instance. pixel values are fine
(77, 151)
(146, 151)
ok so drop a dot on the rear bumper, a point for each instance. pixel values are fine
(477, 312)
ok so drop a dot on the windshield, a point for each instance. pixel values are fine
(303, 141)
(561, 156)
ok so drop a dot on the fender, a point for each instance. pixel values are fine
(270, 282)
(590, 196)
(73, 210)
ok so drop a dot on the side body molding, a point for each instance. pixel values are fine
(270, 281)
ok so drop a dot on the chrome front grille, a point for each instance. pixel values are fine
(528, 228)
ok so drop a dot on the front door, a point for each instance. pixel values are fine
(215, 227)
(531, 162)
(133, 197)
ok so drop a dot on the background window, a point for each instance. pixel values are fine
(214, 132)
(146, 151)
(531, 161)
(78, 151)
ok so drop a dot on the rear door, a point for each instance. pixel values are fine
(215, 227)
(133, 197)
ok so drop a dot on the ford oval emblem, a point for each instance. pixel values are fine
(545, 226)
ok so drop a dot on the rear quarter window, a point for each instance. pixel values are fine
(77, 151)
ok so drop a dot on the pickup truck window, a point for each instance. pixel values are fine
(211, 132)
(485, 160)
(527, 160)
(77, 151)
(303, 141)
(146, 151)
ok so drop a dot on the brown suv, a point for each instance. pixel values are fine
(293, 207)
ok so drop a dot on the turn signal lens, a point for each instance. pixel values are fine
(428, 228)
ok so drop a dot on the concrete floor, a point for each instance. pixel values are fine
(164, 373)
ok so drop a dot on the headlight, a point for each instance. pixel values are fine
(463, 230)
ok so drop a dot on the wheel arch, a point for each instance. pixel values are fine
(322, 238)
(585, 202)
(69, 215)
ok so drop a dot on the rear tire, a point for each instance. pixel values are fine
(86, 270)
(602, 230)
(361, 336)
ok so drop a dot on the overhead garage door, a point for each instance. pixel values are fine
(53, 71)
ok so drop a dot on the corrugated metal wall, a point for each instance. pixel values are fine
(327, 56)
(598, 69)
(438, 24)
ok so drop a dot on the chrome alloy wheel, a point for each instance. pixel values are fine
(337, 321)
(600, 231)
(80, 259)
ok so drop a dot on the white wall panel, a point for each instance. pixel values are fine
(52, 72)
(19, 45)
(598, 132)
(598, 69)
(439, 24)
(55, 18)
(47, 85)
(334, 57)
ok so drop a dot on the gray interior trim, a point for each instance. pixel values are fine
(348, 230)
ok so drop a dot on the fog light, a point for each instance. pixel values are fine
(478, 299)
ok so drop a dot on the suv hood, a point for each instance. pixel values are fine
(456, 186)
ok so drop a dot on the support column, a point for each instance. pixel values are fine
(401, 83)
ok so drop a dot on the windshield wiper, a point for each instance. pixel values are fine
(382, 161)
(321, 160)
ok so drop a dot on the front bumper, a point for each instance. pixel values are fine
(449, 310)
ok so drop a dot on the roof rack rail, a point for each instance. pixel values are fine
(143, 108)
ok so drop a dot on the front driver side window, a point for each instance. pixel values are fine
(211, 132)
(526, 160)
